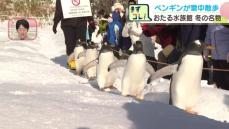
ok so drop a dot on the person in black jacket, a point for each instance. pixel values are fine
(74, 28)
(189, 33)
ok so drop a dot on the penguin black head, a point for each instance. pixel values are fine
(80, 43)
(138, 47)
(195, 48)
(91, 45)
(106, 48)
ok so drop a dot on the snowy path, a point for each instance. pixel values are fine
(38, 92)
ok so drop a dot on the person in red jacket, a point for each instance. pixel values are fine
(167, 38)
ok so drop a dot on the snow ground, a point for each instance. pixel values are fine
(38, 92)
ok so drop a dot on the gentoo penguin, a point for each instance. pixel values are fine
(79, 59)
(105, 78)
(74, 60)
(134, 73)
(186, 79)
(91, 55)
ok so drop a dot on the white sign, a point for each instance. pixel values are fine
(187, 11)
(76, 8)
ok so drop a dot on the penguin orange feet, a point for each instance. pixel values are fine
(112, 87)
(189, 110)
(108, 88)
(91, 78)
(139, 97)
(124, 94)
(102, 89)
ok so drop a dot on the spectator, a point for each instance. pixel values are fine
(74, 29)
(189, 33)
(167, 38)
(115, 25)
(218, 37)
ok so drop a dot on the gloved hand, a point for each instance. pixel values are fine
(110, 19)
(206, 54)
(54, 28)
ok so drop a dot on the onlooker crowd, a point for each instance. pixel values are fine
(121, 34)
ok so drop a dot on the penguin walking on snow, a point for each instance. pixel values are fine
(135, 68)
(91, 55)
(79, 59)
(186, 79)
(105, 78)
(75, 61)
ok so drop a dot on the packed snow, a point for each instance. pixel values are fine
(37, 91)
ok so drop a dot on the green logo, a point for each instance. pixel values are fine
(139, 12)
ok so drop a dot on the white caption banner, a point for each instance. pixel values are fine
(184, 11)
(76, 8)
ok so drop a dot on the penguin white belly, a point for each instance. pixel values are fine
(133, 78)
(104, 78)
(185, 85)
(79, 61)
(91, 55)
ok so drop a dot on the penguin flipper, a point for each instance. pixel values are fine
(89, 65)
(116, 64)
(81, 54)
(168, 70)
(150, 69)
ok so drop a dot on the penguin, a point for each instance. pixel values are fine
(105, 78)
(79, 58)
(73, 60)
(91, 55)
(135, 66)
(186, 77)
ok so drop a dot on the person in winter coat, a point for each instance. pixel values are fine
(189, 33)
(165, 34)
(74, 29)
(217, 36)
(126, 41)
(132, 30)
(167, 38)
(115, 26)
